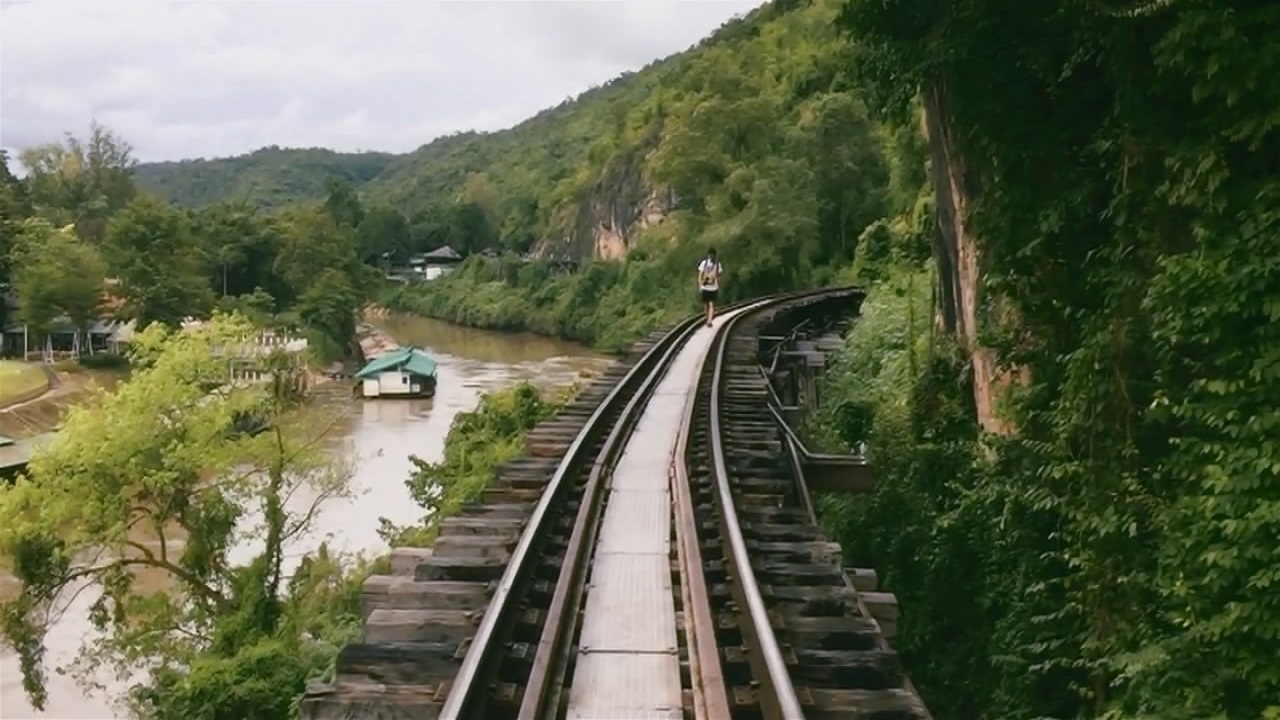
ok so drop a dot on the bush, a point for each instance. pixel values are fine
(104, 361)
(478, 442)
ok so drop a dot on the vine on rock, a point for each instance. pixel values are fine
(1114, 555)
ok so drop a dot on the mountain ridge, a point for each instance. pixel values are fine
(174, 180)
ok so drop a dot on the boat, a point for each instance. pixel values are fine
(407, 372)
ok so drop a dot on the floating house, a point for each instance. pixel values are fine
(407, 372)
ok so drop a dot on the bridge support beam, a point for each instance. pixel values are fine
(794, 364)
(837, 473)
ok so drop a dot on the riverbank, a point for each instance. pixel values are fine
(44, 412)
(605, 305)
(21, 382)
(372, 340)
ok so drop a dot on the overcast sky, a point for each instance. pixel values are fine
(190, 78)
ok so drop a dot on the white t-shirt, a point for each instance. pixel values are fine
(716, 269)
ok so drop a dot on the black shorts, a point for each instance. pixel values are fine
(709, 295)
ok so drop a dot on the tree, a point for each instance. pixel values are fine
(241, 245)
(83, 281)
(56, 274)
(81, 182)
(159, 455)
(470, 230)
(382, 231)
(327, 281)
(850, 177)
(151, 249)
(343, 204)
(1106, 221)
(14, 206)
(36, 280)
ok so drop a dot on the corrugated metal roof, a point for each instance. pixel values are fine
(443, 253)
(408, 358)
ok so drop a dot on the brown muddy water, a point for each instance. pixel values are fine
(378, 436)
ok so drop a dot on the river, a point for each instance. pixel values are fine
(380, 435)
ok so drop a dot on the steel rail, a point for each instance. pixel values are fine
(550, 664)
(471, 680)
(547, 676)
(710, 690)
(779, 701)
(467, 685)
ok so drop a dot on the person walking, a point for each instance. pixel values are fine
(709, 271)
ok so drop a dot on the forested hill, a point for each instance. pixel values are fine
(270, 177)
(699, 135)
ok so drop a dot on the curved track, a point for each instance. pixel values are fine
(795, 638)
(746, 609)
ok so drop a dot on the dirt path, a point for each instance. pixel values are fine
(44, 413)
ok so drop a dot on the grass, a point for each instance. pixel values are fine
(20, 381)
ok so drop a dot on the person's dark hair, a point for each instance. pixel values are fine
(711, 252)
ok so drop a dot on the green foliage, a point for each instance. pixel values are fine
(1113, 557)
(925, 528)
(15, 206)
(753, 143)
(298, 270)
(151, 248)
(607, 304)
(478, 442)
(263, 677)
(80, 182)
(104, 361)
(57, 279)
(161, 455)
(269, 178)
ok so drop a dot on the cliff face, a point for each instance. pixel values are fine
(956, 251)
(604, 223)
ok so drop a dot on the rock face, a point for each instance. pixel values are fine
(956, 248)
(605, 223)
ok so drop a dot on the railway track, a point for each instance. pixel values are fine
(683, 516)
(795, 639)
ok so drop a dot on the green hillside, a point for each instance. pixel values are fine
(692, 138)
(269, 178)
(755, 142)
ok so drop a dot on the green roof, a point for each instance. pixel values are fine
(410, 359)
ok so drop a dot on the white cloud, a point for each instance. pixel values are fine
(192, 78)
